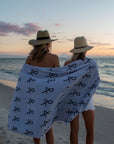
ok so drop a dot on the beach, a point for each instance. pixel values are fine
(104, 123)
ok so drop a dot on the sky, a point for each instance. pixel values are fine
(64, 19)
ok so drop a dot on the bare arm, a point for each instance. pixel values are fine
(67, 62)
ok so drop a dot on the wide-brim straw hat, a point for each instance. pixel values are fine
(80, 45)
(42, 37)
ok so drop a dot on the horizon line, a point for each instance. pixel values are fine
(59, 55)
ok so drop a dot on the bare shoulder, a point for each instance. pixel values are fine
(52, 55)
(27, 60)
(67, 62)
(53, 59)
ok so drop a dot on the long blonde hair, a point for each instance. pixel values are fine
(78, 56)
(39, 51)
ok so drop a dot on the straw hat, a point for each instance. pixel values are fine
(80, 45)
(42, 37)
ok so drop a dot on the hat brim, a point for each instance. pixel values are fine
(39, 42)
(77, 50)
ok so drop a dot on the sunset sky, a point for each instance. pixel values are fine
(64, 19)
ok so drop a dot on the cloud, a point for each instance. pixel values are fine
(53, 36)
(70, 40)
(107, 48)
(25, 39)
(26, 30)
(110, 49)
(64, 40)
(100, 44)
(60, 41)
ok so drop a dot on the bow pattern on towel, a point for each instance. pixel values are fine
(45, 95)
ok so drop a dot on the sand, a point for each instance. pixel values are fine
(104, 123)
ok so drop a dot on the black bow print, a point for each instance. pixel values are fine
(75, 93)
(67, 87)
(98, 78)
(29, 122)
(58, 104)
(30, 90)
(72, 66)
(18, 89)
(45, 113)
(91, 67)
(33, 72)
(86, 76)
(19, 79)
(72, 112)
(48, 90)
(52, 75)
(44, 123)
(81, 84)
(47, 102)
(68, 120)
(88, 61)
(89, 94)
(16, 109)
(30, 112)
(50, 80)
(56, 117)
(17, 99)
(30, 80)
(71, 102)
(27, 132)
(31, 101)
(93, 86)
(82, 102)
(16, 119)
(69, 78)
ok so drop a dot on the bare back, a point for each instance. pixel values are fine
(49, 60)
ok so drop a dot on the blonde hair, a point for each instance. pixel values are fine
(39, 51)
(78, 56)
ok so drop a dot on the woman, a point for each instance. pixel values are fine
(40, 56)
(79, 53)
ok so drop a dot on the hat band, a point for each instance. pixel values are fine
(80, 47)
(42, 38)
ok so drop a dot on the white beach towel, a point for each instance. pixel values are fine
(45, 95)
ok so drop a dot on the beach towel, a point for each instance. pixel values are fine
(45, 95)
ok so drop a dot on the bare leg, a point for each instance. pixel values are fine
(74, 126)
(89, 124)
(36, 140)
(50, 137)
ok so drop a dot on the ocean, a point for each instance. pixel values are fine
(104, 96)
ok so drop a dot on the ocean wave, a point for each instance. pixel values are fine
(9, 77)
(7, 74)
(105, 66)
(110, 73)
(109, 82)
(107, 94)
(109, 66)
(14, 72)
